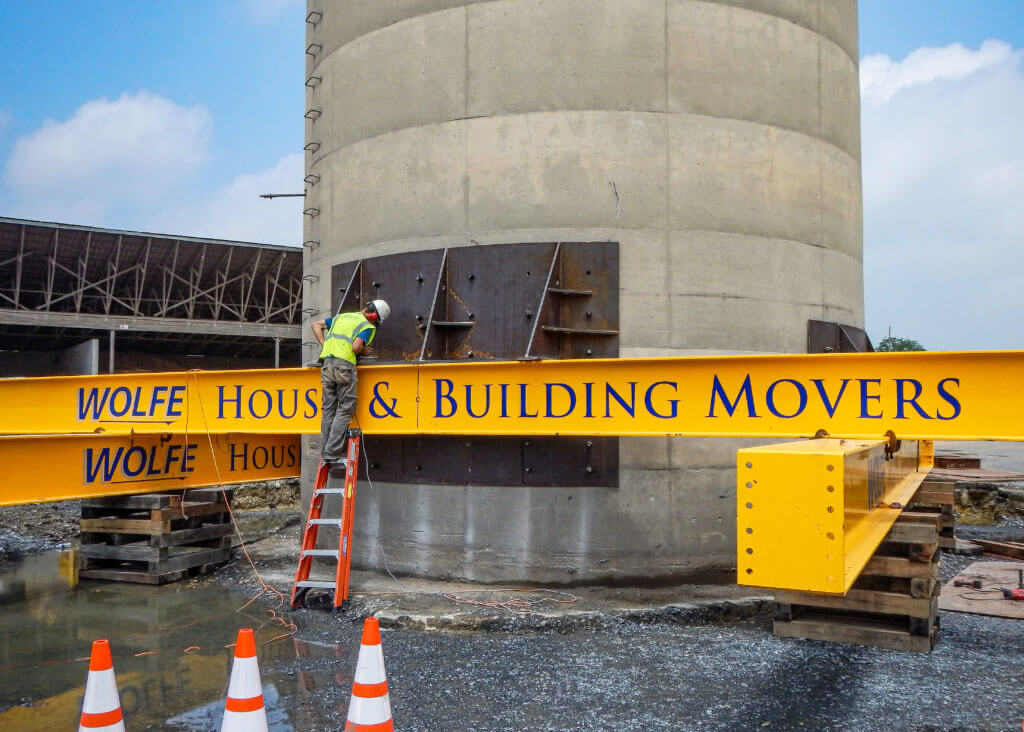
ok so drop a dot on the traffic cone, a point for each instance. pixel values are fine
(370, 707)
(101, 707)
(243, 710)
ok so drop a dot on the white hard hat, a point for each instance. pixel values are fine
(383, 309)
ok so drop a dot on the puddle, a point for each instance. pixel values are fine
(170, 648)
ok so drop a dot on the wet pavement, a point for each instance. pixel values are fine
(674, 667)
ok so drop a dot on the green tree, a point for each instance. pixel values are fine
(895, 343)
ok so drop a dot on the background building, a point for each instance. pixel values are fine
(573, 178)
(80, 300)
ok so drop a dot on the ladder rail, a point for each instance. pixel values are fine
(345, 523)
(344, 569)
(309, 534)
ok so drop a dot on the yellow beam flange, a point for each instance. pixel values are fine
(949, 396)
(810, 514)
(37, 469)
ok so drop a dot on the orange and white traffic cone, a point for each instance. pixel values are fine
(101, 708)
(243, 710)
(370, 707)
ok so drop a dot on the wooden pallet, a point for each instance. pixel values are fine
(893, 603)
(154, 538)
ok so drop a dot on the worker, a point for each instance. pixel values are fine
(344, 338)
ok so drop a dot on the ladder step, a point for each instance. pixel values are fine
(316, 583)
(325, 522)
(328, 490)
(320, 553)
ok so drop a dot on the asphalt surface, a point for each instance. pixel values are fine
(681, 673)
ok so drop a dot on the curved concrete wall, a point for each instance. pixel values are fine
(717, 141)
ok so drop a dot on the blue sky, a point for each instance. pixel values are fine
(95, 96)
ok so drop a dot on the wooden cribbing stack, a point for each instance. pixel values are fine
(155, 538)
(894, 602)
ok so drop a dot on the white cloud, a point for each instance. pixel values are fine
(267, 10)
(236, 211)
(943, 161)
(881, 77)
(129, 151)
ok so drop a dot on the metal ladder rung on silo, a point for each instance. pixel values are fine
(343, 554)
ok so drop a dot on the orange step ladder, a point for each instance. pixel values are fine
(343, 554)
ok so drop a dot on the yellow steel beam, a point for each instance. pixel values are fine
(950, 396)
(810, 514)
(37, 469)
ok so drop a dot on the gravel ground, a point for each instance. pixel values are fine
(26, 530)
(679, 671)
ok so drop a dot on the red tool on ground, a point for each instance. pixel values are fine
(343, 554)
(1017, 594)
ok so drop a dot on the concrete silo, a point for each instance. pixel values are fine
(699, 159)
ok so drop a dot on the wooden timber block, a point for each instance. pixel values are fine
(869, 601)
(967, 548)
(146, 501)
(900, 567)
(919, 518)
(913, 533)
(141, 577)
(159, 521)
(857, 632)
(100, 565)
(935, 493)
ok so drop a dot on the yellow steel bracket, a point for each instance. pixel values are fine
(810, 514)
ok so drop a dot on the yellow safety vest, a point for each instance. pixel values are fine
(344, 328)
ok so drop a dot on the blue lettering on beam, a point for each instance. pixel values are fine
(446, 395)
(469, 401)
(137, 463)
(770, 398)
(252, 407)
(718, 392)
(588, 398)
(830, 406)
(504, 400)
(93, 403)
(280, 403)
(222, 400)
(101, 464)
(949, 398)
(311, 407)
(548, 388)
(243, 455)
(865, 398)
(522, 403)
(648, 400)
(177, 397)
(114, 409)
(137, 402)
(902, 400)
(126, 465)
(610, 393)
(378, 400)
(170, 457)
(156, 399)
(189, 457)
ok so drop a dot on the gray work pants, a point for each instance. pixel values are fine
(338, 380)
